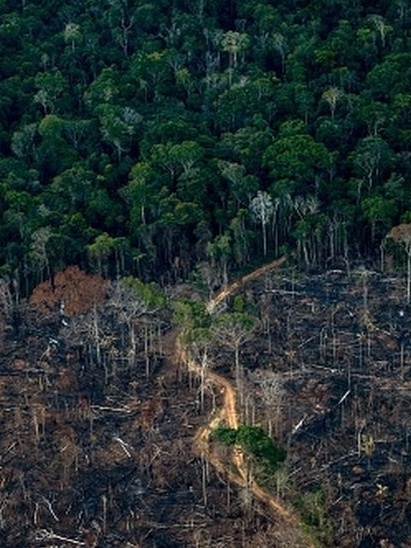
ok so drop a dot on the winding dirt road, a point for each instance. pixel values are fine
(228, 415)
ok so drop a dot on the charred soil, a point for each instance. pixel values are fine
(100, 450)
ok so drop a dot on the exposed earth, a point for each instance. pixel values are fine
(115, 454)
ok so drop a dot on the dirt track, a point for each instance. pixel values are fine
(228, 415)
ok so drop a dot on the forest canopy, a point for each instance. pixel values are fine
(143, 138)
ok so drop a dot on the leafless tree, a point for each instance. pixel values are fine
(233, 330)
(402, 234)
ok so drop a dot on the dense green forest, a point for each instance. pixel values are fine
(144, 138)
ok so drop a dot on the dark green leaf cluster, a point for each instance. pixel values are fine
(190, 315)
(255, 442)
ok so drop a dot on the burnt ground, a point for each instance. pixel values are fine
(94, 451)
(100, 454)
(337, 352)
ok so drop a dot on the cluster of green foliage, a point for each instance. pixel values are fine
(255, 442)
(146, 138)
(312, 508)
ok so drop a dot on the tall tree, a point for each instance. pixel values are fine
(262, 208)
(233, 330)
(133, 301)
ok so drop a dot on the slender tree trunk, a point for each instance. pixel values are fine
(133, 344)
(96, 336)
(238, 376)
(146, 351)
(225, 273)
(264, 239)
(202, 387)
(204, 467)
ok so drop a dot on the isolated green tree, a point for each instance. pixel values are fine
(264, 454)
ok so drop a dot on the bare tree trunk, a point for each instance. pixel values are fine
(133, 344)
(96, 336)
(264, 239)
(146, 351)
(204, 474)
(238, 376)
(202, 386)
(402, 360)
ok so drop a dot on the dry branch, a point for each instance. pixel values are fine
(44, 534)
